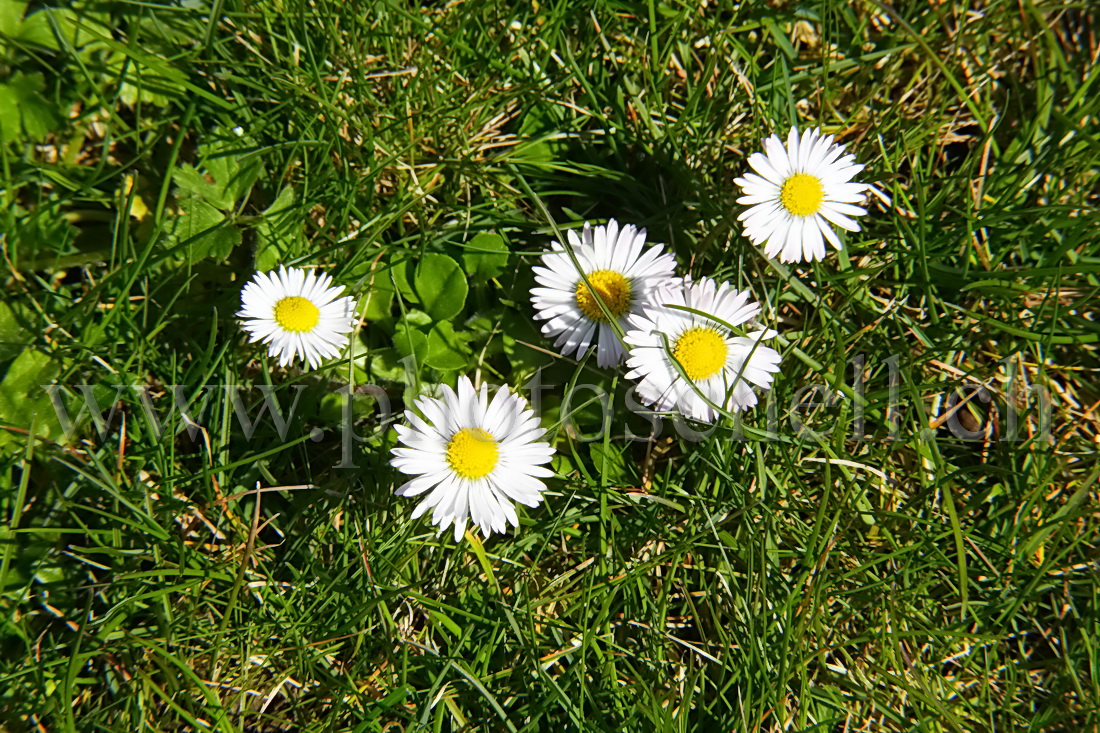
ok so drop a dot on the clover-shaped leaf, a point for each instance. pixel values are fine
(441, 285)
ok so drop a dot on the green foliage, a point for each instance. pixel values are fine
(411, 341)
(16, 26)
(874, 572)
(279, 232)
(378, 302)
(202, 229)
(609, 463)
(446, 349)
(441, 286)
(23, 396)
(40, 234)
(209, 197)
(30, 115)
(13, 336)
(485, 256)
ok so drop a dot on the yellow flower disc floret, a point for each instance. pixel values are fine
(613, 289)
(297, 314)
(701, 352)
(473, 453)
(802, 194)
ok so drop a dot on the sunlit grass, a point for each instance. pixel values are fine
(872, 570)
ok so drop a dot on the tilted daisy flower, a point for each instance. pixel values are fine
(719, 364)
(297, 313)
(624, 277)
(473, 458)
(801, 190)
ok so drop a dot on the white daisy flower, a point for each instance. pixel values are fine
(722, 366)
(297, 313)
(624, 277)
(473, 458)
(800, 191)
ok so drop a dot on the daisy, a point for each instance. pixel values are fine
(297, 313)
(473, 458)
(719, 364)
(800, 191)
(624, 277)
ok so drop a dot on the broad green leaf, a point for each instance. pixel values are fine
(411, 341)
(279, 233)
(234, 172)
(36, 29)
(23, 393)
(45, 25)
(441, 285)
(225, 174)
(446, 349)
(38, 26)
(26, 111)
(192, 182)
(540, 135)
(269, 257)
(386, 365)
(562, 464)
(202, 230)
(142, 78)
(400, 276)
(13, 336)
(418, 318)
(485, 256)
(41, 235)
(333, 407)
(377, 303)
(11, 16)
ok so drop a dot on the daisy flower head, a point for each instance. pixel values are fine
(472, 458)
(622, 272)
(718, 363)
(297, 313)
(798, 193)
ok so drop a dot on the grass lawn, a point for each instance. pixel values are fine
(901, 536)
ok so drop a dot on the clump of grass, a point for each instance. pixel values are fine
(870, 571)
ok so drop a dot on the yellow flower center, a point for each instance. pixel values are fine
(701, 352)
(612, 288)
(802, 194)
(473, 453)
(297, 314)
